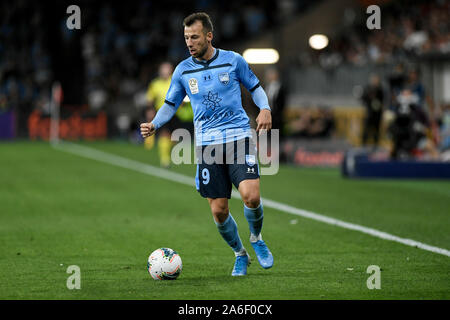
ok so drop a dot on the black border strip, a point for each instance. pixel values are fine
(206, 68)
(254, 88)
(169, 103)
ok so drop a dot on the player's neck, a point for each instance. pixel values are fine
(208, 54)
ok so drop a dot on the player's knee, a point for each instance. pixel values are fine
(220, 216)
(220, 211)
(251, 199)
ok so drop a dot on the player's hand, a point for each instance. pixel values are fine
(147, 129)
(264, 121)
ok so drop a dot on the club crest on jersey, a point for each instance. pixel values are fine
(250, 159)
(193, 85)
(224, 77)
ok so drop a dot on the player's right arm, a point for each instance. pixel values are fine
(174, 97)
(164, 114)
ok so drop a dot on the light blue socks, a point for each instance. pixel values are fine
(254, 217)
(229, 232)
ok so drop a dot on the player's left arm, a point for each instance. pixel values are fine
(264, 118)
(251, 82)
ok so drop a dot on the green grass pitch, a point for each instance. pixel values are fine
(58, 209)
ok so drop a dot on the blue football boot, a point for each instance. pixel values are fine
(265, 257)
(240, 265)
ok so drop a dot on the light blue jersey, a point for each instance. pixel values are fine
(213, 87)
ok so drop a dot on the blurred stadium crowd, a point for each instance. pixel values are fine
(397, 105)
(409, 28)
(119, 46)
(109, 63)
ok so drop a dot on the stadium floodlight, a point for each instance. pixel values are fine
(261, 56)
(318, 41)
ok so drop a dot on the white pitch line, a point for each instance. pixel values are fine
(119, 161)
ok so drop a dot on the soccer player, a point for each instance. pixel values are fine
(211, 78)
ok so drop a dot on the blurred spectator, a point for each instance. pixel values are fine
(416, 37)
(276, 94)
(373, 99)
(410, 127)
(415, 85)
(396, 82)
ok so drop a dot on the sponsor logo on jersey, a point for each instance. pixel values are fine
(211, 100)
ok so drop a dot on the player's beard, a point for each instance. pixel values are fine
(202, 52)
